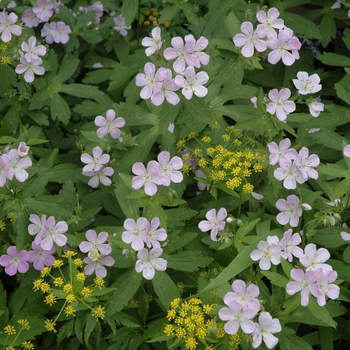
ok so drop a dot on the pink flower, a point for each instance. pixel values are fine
(136, 233)
(29, 68)
(60, 34)
(31, 50)
(96, 162)
(8, 26)
(170, 168)
(184, 54)
(37, 228)
(202, 186)
(109, 125)
(148, 178)
(199, 46)
(314, 259)
(97, 265)
(270, 21)
(264, 329)
(99, 176)
(346, 151)
(326, 288)
(120, 25)
(43, 9)
(153, 44)
(306, 163)
(246, 296)
(290, 211)
(149, 80)
(267, 252)
(192, 83)
(281, 151)
(95, 243)
(289, 173)
(16, 166)
(149, 261)
(30, 19)
(165, 89)
(40, 257)
(278, 103)
(215, 222)
(281, 45)
(155, 234)
(289, 245)
(54, 234)
(22, 149)
(251, 39)
(47, 30)
(304, 282)
(237, 316)
(15, 261)
(4, 172)
(315, 107)
(307, 85)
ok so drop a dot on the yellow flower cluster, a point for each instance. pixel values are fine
(228, 157)
(189, 321)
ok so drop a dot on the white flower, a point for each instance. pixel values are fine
(192, 83)
(149, 261)
(307, 85)
(267, 252)
(264, 329)
(154, 44)
(32, 51)
(315, 106)
(29, 68)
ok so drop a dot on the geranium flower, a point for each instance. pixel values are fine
(314, 259)
(306, 163)
(307, 85)
(8, 26)
(315, 106)
(22, 149)
(43, 9)
(153, 44)
(267, 252)
(198, 46)
(303, 282)
(237, 316)
(270, 21)
(215, 222)
(290, 210)
(136, 233)
(31, 51)
(155, 234)
(29, 68)
(170, 168)
(281, 151)
(54, 234)
(16, 166)
(250, 39)
(97, 265)
(165, 90)
(184, 54)
(60, 33)
(95, 243)
(281, 45)
(120, 25)
(149, 262)
(96, 162)
(15, 261)
(325, 286)
(4, 173)
(192, 83)
(109, 125)
(30, 19)
(264, 329)
(147, 178)
(289, 173)
(246, 296)
(279, 103)
(37, 228)
(289, 245)
(40, 257)
(99, 176)
(149, 80)
(346, 151)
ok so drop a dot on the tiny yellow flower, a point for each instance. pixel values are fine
(206, 139)
(202, 163)
(81, 276)
(69, 310)
(99, 282)
(69, 254)
(10, 348)
(78, 262)
(225, 137)
(10, 330)
(57, 263)
(68, 288)
(99, 312)
(169, 330)
(24, 323)
(50, 326)
(248, 188)
(70, 298)
(45, 271)
(50, 299)
(58, 282)
(27, 345)
(45, 287)
(86, 292)
(37, 284)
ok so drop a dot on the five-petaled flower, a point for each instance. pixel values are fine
(215, 223)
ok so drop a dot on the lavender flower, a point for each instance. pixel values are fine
(15, 261)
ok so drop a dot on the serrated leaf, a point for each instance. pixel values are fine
(333, 59)
(80, 90)
(276, 278)
(89, 327)
(188, 261)
(165, 288)
(290, 341)
(60, 109)
(321, 313)
(126, 287)
(67, 68)
(129, 10)
(301, 25)
(178, 241)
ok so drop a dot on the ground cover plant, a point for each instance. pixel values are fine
(174, 174)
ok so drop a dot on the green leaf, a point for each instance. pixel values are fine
(321, 313)
(67, 68)
(177, 241)
(276, 278)
(288, 340)
(129, 10)
(168, 14)
(126, 286)
(232, 24)
(80, 90)
(190, 13)
(330, 138)
(60, 109)
(301, 25)
(333, 59)
(91, 36)
(165, 288)
(199, 110)
(188, 261)
(90, 325)
(327, 28)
